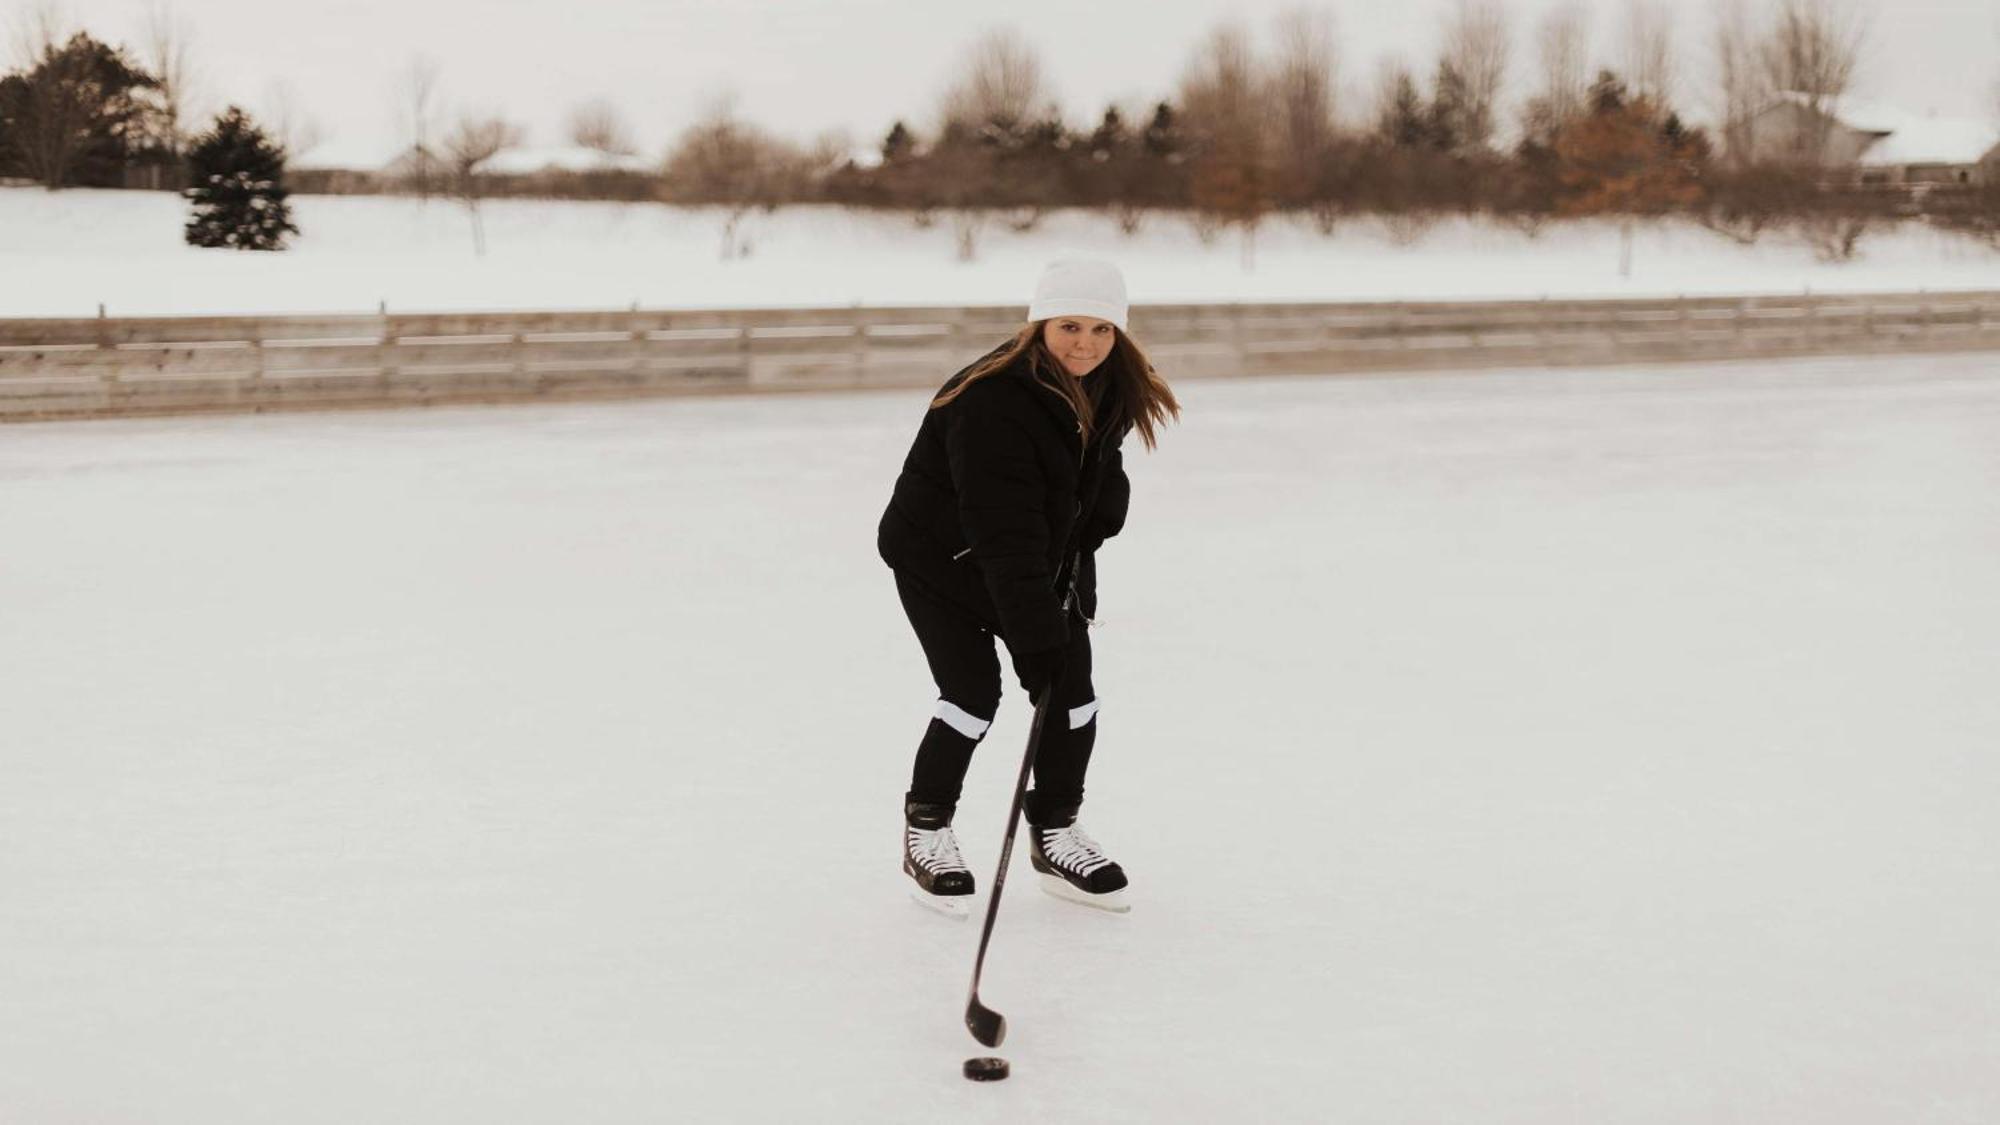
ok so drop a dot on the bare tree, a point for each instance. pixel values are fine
(76, 107)
(416, 100)
(726, 161)
(1475, 49)
(596, 125)
(296, 131)
(36, 30)
(476, 139)
(1561, 45)
(829, 151)
(1811, 52)
(1742, 86)
(1649, 52)
(168, 55)
(50, 123)
(1392, 78)
(1993, 90)
(1222, 97)
(1301, 88)
(986, 120)
(1001, 84)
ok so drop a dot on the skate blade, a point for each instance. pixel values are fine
(1112, 903)
(956, 907)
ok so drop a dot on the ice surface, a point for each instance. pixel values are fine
(1595, 746)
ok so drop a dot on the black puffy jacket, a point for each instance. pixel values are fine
(999, 501)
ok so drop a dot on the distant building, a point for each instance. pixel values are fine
(1877, 144)
(575, 159)
(410, 164)
(337, 167)
(565, 170)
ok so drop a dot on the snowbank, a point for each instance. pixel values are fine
(61, 254)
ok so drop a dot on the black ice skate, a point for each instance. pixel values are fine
(930, 856)
(1073, 867)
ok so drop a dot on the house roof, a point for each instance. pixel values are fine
(343, 155)
(1906, 137)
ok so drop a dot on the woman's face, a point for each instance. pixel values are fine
(1080, 342)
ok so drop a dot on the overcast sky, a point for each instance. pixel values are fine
(802, 67)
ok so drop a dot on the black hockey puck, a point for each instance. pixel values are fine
(986, 1069)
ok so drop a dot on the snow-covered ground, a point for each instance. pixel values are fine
(63, 254)
(1595, 746)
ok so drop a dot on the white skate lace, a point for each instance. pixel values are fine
(1069, 848)
(936, 850)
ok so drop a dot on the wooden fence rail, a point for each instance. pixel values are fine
(100, 367)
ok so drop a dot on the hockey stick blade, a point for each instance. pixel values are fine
(985, 1024)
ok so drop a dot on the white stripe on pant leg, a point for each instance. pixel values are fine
(962, 721)
(1081, 716)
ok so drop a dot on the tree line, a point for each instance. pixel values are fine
(1249, 132)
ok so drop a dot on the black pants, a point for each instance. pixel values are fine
(959, 648)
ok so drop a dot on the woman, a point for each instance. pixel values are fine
(1013, 483)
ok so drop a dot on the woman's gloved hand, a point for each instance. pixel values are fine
(1038, 670)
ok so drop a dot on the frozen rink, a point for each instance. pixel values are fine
(1608, 746)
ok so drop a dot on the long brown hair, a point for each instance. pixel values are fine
(1137, 397)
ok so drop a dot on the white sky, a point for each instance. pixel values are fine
(805, 66)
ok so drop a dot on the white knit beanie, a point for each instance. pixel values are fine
(1080, 287)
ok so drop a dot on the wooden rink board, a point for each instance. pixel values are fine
(94, 367)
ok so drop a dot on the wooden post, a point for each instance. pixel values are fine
(385, 366)
(1237, 337)
(104, 344)
(860, 343)
(635, 335)
(257, 372)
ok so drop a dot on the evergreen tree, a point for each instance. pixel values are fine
(1109, 169)
(239, 187)
(900, 144)
(1618, 160)
(1403, 123)
(1607, 94)
(1452, 122)
(1163, 137)
(1110, 138)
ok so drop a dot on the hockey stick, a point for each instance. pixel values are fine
(987, 1025)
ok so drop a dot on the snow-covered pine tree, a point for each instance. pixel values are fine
(238, 191)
